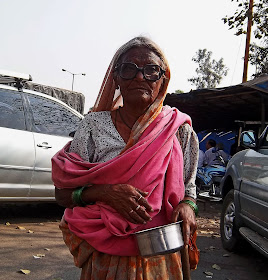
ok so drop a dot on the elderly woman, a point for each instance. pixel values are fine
(131, 166)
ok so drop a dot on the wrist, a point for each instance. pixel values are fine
(192, 204)
(79, 196)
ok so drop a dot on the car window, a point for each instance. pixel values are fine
(51, 117)
(265, 140)
(11, 108)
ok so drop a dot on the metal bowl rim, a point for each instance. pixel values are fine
(155, 228)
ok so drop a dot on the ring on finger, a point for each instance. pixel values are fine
(131, 211)
(137, 208)
(139, 198)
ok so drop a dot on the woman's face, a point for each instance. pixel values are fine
(139, 92)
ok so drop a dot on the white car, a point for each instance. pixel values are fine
(33, 127)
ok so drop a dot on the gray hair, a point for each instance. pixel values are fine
(138, 42)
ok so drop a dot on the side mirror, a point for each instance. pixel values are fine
(248, 139)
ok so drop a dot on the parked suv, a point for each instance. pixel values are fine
(33, 127)
(245, 192)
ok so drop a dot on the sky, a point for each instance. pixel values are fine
(42, 37)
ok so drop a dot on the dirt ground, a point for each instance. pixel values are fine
(31, 240)
(208, 221)
(216, 262)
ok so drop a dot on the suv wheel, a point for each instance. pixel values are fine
(229, 233)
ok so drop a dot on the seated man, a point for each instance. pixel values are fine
(210, 152)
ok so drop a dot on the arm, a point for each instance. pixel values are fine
(123, 198)
(189, 144)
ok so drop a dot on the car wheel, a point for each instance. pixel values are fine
(229, 233)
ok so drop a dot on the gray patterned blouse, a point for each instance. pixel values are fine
(97, 140)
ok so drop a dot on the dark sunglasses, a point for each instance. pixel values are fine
(128, 71)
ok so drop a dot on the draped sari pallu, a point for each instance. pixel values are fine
(154, 164)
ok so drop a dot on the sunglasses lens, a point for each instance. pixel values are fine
(152, 72)
(129, 71)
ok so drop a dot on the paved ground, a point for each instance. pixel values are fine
(31, 240)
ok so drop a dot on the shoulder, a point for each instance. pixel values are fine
(96, 118)
(186, 131)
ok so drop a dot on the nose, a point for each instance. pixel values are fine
(139, 75)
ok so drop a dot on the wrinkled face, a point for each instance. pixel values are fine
(139, 91)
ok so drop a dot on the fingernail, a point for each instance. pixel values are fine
(144, 222)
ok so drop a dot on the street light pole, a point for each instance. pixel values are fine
(73, 74)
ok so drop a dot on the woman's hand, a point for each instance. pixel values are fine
(128, 201)
(185, 213)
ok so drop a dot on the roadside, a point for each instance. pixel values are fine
(217, 263)
(31, 240)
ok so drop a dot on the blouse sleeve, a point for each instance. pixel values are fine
(82, 143)
(190, 145)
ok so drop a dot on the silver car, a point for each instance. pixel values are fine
(33, 127)
(245, 193)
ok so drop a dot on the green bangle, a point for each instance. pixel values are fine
(192, 205)
(77, 197)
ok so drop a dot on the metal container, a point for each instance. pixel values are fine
(160, 240)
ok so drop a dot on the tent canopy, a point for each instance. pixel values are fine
(222, 107)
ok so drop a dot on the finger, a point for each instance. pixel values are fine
(175, 216)
(137, 218)
(127, 216)
(142, 201)
(143, 193)
(143, 213)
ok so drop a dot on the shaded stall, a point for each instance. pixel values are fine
(225, 108)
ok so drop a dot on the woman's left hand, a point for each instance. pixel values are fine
(185, 213)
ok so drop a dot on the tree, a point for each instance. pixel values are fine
(179, 91)
(239, 19)
(258, 57)
(209, 72)
(258, 53)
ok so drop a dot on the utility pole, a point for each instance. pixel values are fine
(245, 73)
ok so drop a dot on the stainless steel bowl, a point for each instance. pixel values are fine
(160, 240)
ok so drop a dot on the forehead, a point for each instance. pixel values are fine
(141, 56)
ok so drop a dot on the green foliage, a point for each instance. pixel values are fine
(209, 72)
(258, 57)
(178, 91)
(239, 19)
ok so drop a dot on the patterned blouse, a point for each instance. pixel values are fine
(97, 140)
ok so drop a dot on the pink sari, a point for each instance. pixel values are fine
(154, 164)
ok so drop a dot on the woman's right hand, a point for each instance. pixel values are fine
(128, 201)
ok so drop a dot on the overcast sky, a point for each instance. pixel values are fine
(41, 37)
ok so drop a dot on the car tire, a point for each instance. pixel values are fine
(229, 233)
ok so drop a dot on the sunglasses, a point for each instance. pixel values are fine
(128, 71)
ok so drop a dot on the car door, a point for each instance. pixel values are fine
(17, 148)
(53, 122)
(254, 188)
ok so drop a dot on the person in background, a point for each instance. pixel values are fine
(219, 151)
(210, 152)
(131, 166)
(201, 158)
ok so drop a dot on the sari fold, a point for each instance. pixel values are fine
(154, 164)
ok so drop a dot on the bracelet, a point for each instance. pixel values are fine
(77, 197)
(192, 205)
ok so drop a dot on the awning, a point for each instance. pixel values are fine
(222, 107)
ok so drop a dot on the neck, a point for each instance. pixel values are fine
(131, 115)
